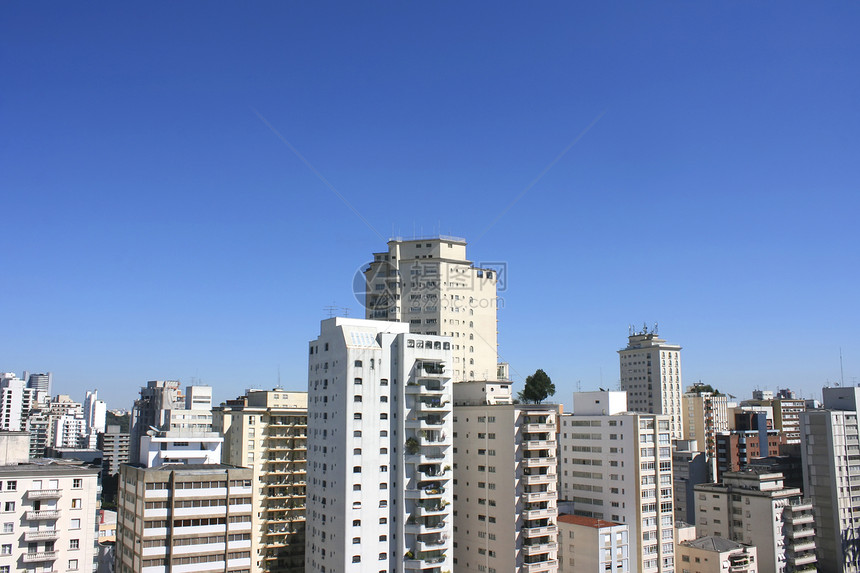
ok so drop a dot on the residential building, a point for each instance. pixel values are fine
(379, 444)
(586, 544)
(49, 511)
(755, 508)
(786, 415)
(147, 413)
(736, 449)
(651, 376)
(432, 286)
(38, 426)
(180, 447)
(95, 412)
(617, 465)
(183, 518)
(505, 483)
(712, 554)
(40, 382)
(689, 468)
(16, 401)
(114, 445)
(830, 453)
(266, 430)
(706, 416)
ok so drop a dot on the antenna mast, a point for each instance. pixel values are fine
(841, 370)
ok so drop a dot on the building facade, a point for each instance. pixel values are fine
(706, 415)
(114, 445)
(432, 286)
(755, 508)
(830, 453)
(617, 466)
(184, 518)
(266, 430)
(505, 486)
(586, 544)
(380, 449)
(716, 555)
(651, 376)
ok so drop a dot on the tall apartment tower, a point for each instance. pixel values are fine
(184, 518)
(506, 482)
(617, 466)
(651, 376)
(95, 412)
(380, 449)
(831, 477)
(114, 446)
(40, 382)
(706, 416)
(432, 286)
(266, 431)
(16, 401)
(753, 506)
(147, 412)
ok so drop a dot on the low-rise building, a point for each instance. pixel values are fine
(586, 544)
(712, 554)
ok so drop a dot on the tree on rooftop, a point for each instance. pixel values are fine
(538, 388)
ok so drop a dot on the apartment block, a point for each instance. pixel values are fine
(689, 468)
(505, 485)
(586, 544)
(830, 453)
(786, 415)
(379, 449)
(706, 415)
(183, 518)
(266, 430)
(16, 400)
(114, 446)
(617, 466)
(754, 507)
(49, 511)
(651, 376)
(432, 286)
(736, 449)
(716, 555)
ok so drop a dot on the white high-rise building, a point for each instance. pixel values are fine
(16, 401)
(651, 375)
(505, 481)
(830, 452)
(379, 449)
(432, 286)
(95, 412)
(617, 466)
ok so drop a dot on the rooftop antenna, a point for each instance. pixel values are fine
(841, 370)
(331, 310)
(579, 385)
(656, 324)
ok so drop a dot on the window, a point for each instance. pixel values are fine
(9, 506)
(356, 558)
(75, 524)
(73, 564)
(356, 523)
(74, 544)
(76, 503)
(8, 528)
(6, 549)
(77, 483)
(11, 485)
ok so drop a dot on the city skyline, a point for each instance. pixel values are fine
(670, 163)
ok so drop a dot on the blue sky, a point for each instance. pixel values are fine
(156, 227)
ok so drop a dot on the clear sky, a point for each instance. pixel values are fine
(156, 226)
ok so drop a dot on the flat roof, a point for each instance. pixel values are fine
(586, 521)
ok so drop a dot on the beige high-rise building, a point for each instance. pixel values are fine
(617, 465)
(753, 507)
(505, 483)
(651, 375)
(706, 415)
(266, 430)
(432, 286)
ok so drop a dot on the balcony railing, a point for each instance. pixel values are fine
(43, 494)
(38, 556)
(44, 535)
(43, 514)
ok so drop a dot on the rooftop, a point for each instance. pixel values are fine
(711, 543)
(586, 521)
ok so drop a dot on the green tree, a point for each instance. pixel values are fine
(537, 389)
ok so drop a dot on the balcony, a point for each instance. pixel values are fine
(43, 494)
(540, 567)
(539, 496)
(428, 509)
(539, 444)
(800, 519)
(538, 462)
(537, 479)
(804, 560)
(44, 535)
(425, 423)
(801, 532)
(425, 388)
(425, 493)
(43, 514)
(535, 428)
(540, 531)
(39, 556)
(546, 513)
(803, 546)
(539, 548)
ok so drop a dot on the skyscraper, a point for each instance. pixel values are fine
(379, 449)
(429, 284)
(651, 375)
